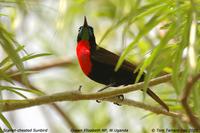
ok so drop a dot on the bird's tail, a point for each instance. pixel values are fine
(157, 99)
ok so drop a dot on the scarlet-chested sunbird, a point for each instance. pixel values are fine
(98, 63)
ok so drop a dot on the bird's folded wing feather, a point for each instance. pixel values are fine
(106, 57)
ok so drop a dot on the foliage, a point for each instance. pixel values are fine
(15, 56)
(160, 36)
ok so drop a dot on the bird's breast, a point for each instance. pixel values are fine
(83, 54)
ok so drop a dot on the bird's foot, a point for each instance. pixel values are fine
(99, 101)
(80, 87)
(121, 98)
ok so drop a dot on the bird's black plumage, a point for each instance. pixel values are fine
(104, 62)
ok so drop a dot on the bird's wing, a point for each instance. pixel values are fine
(106, 57)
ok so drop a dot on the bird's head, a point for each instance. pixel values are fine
(86, 32)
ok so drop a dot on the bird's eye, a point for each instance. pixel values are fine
(90, 30)
(79, 30)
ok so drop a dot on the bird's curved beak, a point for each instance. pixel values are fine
(85, 22)
(85, 30)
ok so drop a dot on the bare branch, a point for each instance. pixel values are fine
(43, 66)
(117, 91)
(66, 118)
(195, 122)
(74, 96)
(9, 105)
(51, 64)
(144, 106)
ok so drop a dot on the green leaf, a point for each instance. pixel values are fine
(150, 25)
(37, 92)
(6, 60)
(25, 58)
(178, 59)
(140, 13)
(152, 8)
(155, 20)
(5, 121)
(151, 60)
(19, 73)
(1, 131)
(147, 115)
(8, 44)
(5, 77)
(159, 64)
(31, 56)
(3, 14)
(16, 92)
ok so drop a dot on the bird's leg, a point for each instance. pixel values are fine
(121, 97)
(98, 101)
(110, 85)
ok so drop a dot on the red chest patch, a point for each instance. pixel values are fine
(83, 54)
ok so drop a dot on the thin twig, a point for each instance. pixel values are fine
(44, 66)
(51, 64)
(195, 122)
(67, 119)
(144, 106)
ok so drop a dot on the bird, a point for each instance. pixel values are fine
(99, 64)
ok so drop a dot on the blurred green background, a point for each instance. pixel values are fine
(155, 34)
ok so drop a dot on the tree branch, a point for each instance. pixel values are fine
(9, 105)
(144, 106)
(120, 90)
(125, 89)
(44, 66)
(195, 122)
(51, 64)
(66, 118)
